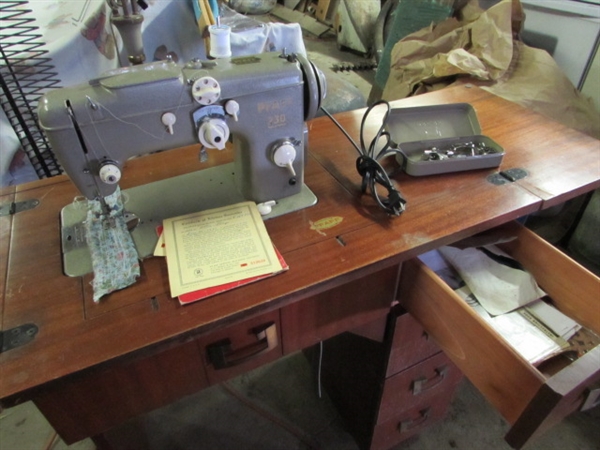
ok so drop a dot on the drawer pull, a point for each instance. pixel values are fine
(423, 384)
(221, 355)
(592, 398)
(410, 424)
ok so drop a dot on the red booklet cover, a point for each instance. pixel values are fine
(204, 293)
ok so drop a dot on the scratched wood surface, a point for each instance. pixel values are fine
(76, 334)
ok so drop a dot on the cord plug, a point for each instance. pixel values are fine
(395, 203)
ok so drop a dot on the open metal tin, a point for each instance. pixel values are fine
(440, 139)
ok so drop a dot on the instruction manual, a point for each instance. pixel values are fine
(216, 247)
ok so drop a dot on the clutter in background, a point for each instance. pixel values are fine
(414, 45)
(251, 6)
(483, 47)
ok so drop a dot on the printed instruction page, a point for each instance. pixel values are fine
(217, 246)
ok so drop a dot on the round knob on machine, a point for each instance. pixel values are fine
(213, 133)
(206, 90)
(266, 207)
(232, 108)
(110, 173)
(168, 119)
(284, 155)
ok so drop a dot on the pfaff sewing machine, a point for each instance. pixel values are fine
(260, 102)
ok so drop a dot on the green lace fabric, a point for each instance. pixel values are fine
(114, 257)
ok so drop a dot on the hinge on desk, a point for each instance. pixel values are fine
(507, 176)
(15, 337)
(13, 208)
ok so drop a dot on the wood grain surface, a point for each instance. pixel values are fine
(76, 334)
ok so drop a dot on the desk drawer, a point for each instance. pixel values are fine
(529, 400)
(423, 383)
(411, 343)
(409, 422)
(236, 349)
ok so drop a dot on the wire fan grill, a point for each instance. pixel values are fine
(25, 75)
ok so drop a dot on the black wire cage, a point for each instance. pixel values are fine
(26, 73)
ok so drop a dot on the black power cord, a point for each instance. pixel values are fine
(368, 165)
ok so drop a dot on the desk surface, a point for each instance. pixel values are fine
(74, 333)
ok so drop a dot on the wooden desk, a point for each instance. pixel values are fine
(139, 349)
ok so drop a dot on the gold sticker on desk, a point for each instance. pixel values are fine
(326, 223)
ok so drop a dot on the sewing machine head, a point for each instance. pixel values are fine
(260, 101)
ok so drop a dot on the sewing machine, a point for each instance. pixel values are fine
(259, 102)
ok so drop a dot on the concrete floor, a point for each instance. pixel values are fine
(277, 407)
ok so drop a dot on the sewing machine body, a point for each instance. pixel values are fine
(94, 128)
(131, 111)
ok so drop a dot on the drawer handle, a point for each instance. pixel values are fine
(410, 424)
(423, 384)
(592, 398)
(221, 355)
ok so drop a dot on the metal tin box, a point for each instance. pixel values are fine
(441, 139)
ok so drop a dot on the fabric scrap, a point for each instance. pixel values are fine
(114, 256)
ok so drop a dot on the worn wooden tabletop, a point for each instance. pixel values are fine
(75, 333)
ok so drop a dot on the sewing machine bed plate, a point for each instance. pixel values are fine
(154, 202)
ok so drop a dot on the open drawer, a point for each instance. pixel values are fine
(531, 401)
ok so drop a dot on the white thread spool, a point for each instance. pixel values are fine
(220, 41)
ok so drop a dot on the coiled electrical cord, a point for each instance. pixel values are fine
(368, 165)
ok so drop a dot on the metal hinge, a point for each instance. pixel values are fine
(507, 176)
(15, 337)
(14, 208)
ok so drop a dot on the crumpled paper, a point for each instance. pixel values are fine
(536, 82)
(482, 47)
(498, 287)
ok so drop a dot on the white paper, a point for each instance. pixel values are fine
(528, 340)
(552, 318)
(499, 288)
(217, 246)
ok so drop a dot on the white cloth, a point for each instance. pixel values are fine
(172, 23)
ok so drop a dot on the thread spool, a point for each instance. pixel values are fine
(220, 41)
